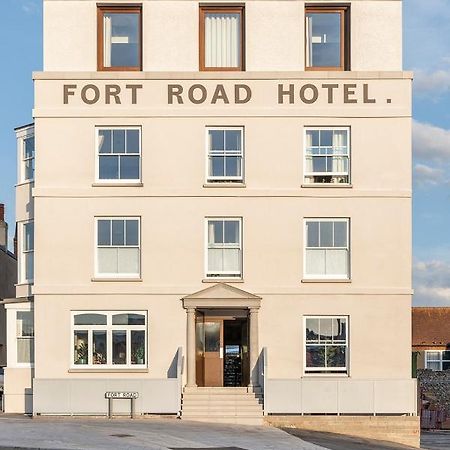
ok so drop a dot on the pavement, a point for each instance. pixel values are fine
(435, 440)
(45, 433)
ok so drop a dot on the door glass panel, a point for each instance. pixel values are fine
(212, 336)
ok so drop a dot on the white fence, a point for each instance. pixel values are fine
(340, 396)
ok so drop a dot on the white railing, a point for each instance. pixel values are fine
(180, 376)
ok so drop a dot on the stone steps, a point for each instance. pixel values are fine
(223, 405)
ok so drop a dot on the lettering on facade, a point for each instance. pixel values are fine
(199, 94)
(310, 93)
(91, 94)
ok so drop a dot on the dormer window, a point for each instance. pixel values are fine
(327, 43)
(119, 38)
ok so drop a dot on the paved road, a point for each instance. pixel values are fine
(435, 440)
(150, 434)
(338, 442)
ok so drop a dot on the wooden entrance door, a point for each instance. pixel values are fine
(209, 351)
(222, 351)
(213, 355)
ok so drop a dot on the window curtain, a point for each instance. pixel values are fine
(222, 40)
(308, 49)
(107, 40)
(339, 143)
(308, 152)
(25, 350)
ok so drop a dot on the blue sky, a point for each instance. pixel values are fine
(426, 51)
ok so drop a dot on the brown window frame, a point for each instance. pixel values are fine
(344, 11)
(229, 8)
(102, 9)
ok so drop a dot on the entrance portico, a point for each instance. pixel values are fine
(221, 303)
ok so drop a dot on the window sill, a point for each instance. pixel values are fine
(109, 184)
(24, 283)
(327, 185)
(325, 375)
(224, 184)
(25, 182)
(326, 280)
(115, 279)
(222, 280)
(88, 370)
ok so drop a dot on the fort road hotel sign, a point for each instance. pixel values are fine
(257, 92)
(238, 93)
(152, 95)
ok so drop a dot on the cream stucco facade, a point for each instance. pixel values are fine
(174, 104)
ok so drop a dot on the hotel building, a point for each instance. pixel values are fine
(207, 220)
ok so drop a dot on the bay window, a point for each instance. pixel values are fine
(221, 37)
(27, 252)
(327, 251)
(119, 37)
(118, 247)
(25, 337)
(109, 339)
(224, 248)
(225, 154)
(326, 344)
(327, 42)
(27, 159)
(327, 154)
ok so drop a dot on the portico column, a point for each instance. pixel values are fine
(191, 378)
(254, 348)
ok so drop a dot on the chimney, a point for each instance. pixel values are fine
(3, 228)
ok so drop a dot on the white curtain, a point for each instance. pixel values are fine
(309, 41)
(222, 40)
(309, 158)
(25, 350)
(339, 143)
(107, 40)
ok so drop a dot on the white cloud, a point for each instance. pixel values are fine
(431, 283)
(426, 175)
(434, 83)
(431, 143)
(30, 6)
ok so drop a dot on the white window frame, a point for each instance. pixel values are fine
(11, 326)
(327, 371)
(109, 328)
(306, 174)
(23, 252)
(225, 179)
(118, 181)
(227, 275)
(305, 248)
(24, 159)
(101, 275)
(440, 360)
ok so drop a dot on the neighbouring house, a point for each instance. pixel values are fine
(431, 363)
(431, 338)
(8, 279)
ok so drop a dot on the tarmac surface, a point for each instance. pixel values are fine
(75, 433)
(339, 442)
(47, 433)
(435, 440)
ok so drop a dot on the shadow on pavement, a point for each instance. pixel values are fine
(339, 442)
